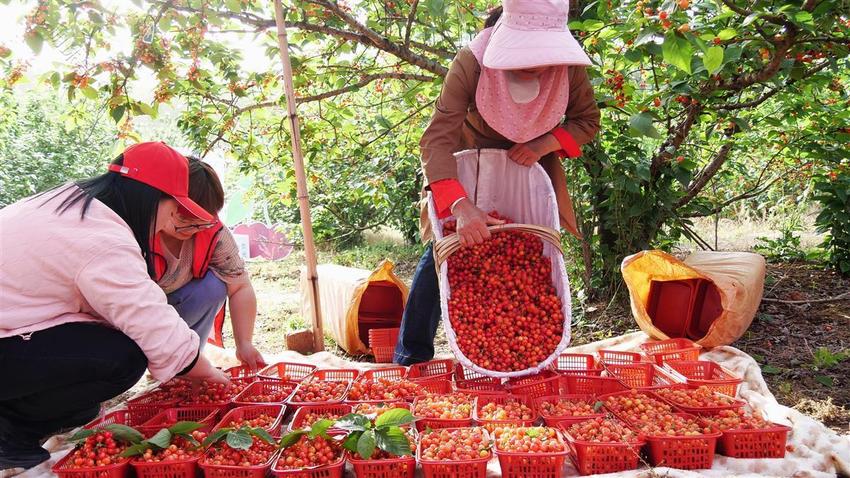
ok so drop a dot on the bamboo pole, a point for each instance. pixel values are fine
(301, 179)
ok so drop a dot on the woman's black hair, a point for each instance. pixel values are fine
(135, 202)
(204, 186)
(493, 17)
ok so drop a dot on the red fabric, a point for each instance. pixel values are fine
(569, 147)
(205, 242)
(215, 337)
(161, 166)
(446, 192)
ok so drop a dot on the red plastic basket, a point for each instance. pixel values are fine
(166, 469)
(334, 470)
(382, 342)
(702, 410)
(758, 443)
(337, 399)
(287, 371)
(532, 465)
(435, 423)
(389, 373)
(683, 452)
(243, 372)
(145, 407)
(673, 349)
(501, 399)
(617, 356)
(264, 387)
(576, 364)
(122, 417)
(533, 386)
(463, 373)
(224, 471)
(592, 458)
(117, 470)
(336, 374)
(590, 385)
(403, 467)
(434, 386)
(697, 373)
(642, 376)
(556, 420)
(164, 419)
(339, 409)
(476, 468)
(480, 385)
(434, 369)
(253, 411)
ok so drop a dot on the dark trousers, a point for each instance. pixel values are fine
(198, 302)
(421, 314)
(59, 377)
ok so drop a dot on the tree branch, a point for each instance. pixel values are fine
(705, 175)
(773, 91)
(365, 80)
(409, 26)
(383, 43)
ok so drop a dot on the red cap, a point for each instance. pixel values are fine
(161, 166)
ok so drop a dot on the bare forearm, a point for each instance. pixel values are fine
(243, 312)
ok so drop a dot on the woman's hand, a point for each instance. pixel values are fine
(472, 223)
(526, 154)
(250, 356)
(203, 370)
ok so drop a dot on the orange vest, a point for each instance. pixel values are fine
(205, 242)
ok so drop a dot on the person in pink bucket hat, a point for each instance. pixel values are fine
(519, 85)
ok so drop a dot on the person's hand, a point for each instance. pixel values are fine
(472, 223)
(526, 154)
(250, 356)
(203, 370)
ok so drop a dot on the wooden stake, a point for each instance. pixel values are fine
(301, 179)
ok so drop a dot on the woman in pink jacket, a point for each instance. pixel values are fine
(80, 316)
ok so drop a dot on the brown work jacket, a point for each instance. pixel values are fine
(457, 125)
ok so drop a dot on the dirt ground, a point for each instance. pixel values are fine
(804, 349)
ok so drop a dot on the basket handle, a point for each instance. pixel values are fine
(450, 244)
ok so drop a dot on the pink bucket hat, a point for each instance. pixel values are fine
(533, 33)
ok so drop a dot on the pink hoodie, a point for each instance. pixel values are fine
(56, 269)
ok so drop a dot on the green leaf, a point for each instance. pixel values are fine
(803, 17)
(233, 5)
(291, 438)
(124, 433)
(770, 369)
(239, 440)
(89, 92)
(353, 422)
(319, 428)
(713, 59)
(162, 439)
(825, 380)
(134, 450)
(394, 417)
(81, 435)
(366, 444)
(393, 440)
(118, 112)
(642, 123)
(180, 428)
(262, 434)
(727, 34)
(598, 406)
(677, 51)
(188, 438)
(35, 41)
(216, 436)
(350, 442)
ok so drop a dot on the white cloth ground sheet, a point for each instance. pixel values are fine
(815, 450)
